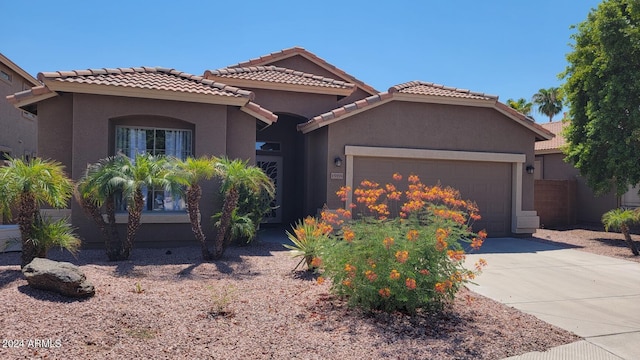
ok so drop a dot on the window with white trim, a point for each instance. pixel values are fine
(157, 141)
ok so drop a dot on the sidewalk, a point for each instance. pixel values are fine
(595, 297)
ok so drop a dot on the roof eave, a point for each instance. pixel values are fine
(548, 151)
(13, 66)
(259, 113)
(446, 100)
(258, 84)
(98, 89)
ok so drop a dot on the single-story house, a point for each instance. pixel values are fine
(562, 196)
(311, 126)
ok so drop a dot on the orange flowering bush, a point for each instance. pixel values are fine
(405, 250)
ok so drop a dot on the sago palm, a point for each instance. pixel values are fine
(145, 171)
(190, 173)
(27, 185)
(234, 174)
(96, 191)
(549, 101)
(622, 219)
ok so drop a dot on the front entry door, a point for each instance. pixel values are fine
(272, 166)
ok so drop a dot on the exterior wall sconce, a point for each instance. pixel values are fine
(530, 169)
(337, 161)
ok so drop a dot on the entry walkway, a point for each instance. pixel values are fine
(595, 297)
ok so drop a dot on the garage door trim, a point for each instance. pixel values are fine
(521, 221)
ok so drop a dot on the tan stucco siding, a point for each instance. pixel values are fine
(241, 135)
(306, 105)
(434, 126)
(55, 137)
(18, 133)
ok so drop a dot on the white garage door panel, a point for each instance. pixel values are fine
(486, 183)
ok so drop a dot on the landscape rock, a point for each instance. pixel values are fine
(61, 277)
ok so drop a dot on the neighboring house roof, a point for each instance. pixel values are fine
(11, 65)
(554, 145)
(279, 78)
(418, 91)
(142, 82)
(286, 53)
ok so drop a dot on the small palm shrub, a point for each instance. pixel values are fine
(406, 262)
(622, 219)
(48, 233)
(308, 235)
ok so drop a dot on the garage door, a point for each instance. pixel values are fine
(486, 183)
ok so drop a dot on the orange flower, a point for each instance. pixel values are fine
(343, 192)
(388, 242)
(476, 243)
(424, 272)
(369, 274)
(481, 263)
(347, 283)
(440, 287)
(316, 262)
(412, 235)
(320, 280)
(410, 283)
(395, 275)
(371, 263)
(413, 179)
(384, 292)
(402, 256)
(348, 234)
(397, 177)
(482, 234)
(441, 236)
(309, 220)
(456, 255)
(349, 268)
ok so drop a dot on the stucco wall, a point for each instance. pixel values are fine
(77, 130)
(18, 133)
(316, 169)
(589, 206)
(432, 126)
(306, 105)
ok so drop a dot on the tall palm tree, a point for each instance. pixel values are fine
(190, 173)
(521, 105)
(96, 191)
(549, 101)
(234, 174)
(621, 219)
(27, 185)
(145, 171)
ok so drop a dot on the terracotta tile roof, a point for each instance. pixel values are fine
(30, 93)
(278, 75)
(286, 53)
(558, 141)
(427, 88)
(154, 78)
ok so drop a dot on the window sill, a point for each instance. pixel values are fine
(155, 218)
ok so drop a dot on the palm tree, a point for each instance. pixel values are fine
(27, 185)
(621, 219)
(521, 105)
(549, 101)
(145, 171)
(235, 174)
(96, 191)
(190, 173)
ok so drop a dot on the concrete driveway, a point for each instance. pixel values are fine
(596, 297)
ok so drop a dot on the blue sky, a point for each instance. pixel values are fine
(509, 48)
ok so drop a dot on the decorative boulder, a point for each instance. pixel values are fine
(61, 277)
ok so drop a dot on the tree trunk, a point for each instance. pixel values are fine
(94, 212)
(133, 223)
(115, 249)
(27, 211)
(627, 237)
(194, 193)
(222, 241)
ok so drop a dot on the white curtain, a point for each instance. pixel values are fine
(137, 142)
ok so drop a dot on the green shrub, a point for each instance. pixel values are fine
(48, 233)
(402, 263)
(307, 237)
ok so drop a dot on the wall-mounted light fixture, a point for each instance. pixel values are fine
(530, 169)
(337, 161)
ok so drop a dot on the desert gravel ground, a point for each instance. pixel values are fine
(167, 304)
